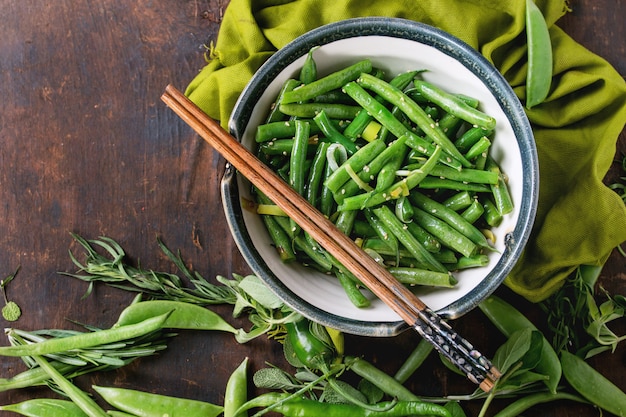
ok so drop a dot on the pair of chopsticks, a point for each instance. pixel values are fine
(373, 275)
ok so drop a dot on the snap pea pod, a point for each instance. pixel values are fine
(84, 340)
(236, 393)
(508, 320)
(592, 385)
(78, 396)
(328, 83)
(414, 112)
(452, 104)
(145, 404)
(539, 71)
(414, 361)
(50, 407)
(517, 407)
(180, 315)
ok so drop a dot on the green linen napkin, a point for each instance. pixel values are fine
(579, 220)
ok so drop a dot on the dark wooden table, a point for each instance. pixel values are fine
(88, 147)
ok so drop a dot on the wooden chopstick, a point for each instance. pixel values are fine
(373, 275)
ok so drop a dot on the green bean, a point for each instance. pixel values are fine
(518, 407)
(479, 148)
(388, 120)
(428, 240)
(447, 235)
(280, 238)
(473, 212)
(401, 187)
(466, 262)
(539, 71)
(592, 385)
(275, 114)
(335, 96)
(459, 201)
(328, 83)
(379, 378)
(387, 175)
(356, 127)
(452, 104)
(282, 147)
(84, 340)
(491, 213)
(310, 110)
(414, 361)
(435, 183)
(316, 172)
(381, 230)
(404, 210)
(345, 221)
(79, 397)
(352, 289)
(357, 162)
(500, 191)
(327, 200)
(298, 157)
(236, 393)
(332, 134)
(372, 170)
(145, 404)
(181, 315)
(413, 112)
(418, 276)
(470, 137)
(449, 216)
(410, 243)
(444, 255)
(308, 72)
(284, 130)
(38, 407)
(468, 175)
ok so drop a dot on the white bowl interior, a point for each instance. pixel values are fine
(393, 55)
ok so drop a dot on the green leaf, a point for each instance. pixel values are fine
(513, 350)
(255, 288)
(272, 378)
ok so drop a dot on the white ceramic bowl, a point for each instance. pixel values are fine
(395, 45)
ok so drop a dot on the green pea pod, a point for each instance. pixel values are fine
(592, 385)
(509, 320)
(539, 72)
(45, 407)
(516, 408)
(236, 393)
(183, 316)
(144, 404)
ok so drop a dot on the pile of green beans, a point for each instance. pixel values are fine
(401, 166)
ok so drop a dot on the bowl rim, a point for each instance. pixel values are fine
(447, 44)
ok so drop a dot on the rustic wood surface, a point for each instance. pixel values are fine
(88, 147)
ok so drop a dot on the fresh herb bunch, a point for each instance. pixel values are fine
(247, 294)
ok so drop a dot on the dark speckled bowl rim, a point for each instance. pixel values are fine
(449, 45)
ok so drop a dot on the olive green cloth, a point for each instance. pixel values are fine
(579, 220)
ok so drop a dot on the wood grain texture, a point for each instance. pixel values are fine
(88, 147)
